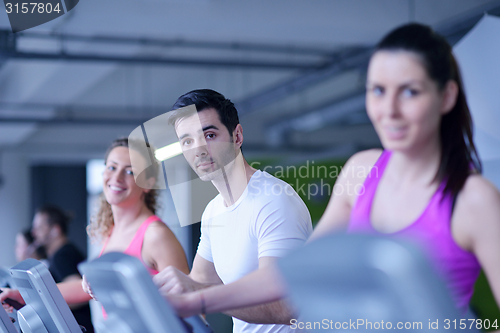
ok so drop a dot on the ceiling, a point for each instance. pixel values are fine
(295, 70)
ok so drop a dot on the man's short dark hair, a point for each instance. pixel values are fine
(55, 216)
(205, 99)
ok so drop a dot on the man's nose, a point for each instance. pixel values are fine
(200, 147)
(201, 150)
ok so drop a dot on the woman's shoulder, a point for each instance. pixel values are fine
(157, 234)
(477, 211)
(158, 227)
(360, 164)
(366, 158)
(478, 192)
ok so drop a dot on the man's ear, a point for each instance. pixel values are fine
(238, 135)
(55, 230)
(450, 94)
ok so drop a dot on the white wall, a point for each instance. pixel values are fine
(15, 210)
(491, 170)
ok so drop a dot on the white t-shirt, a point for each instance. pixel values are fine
(268, 220)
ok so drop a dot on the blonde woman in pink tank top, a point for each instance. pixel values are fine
(126, 219)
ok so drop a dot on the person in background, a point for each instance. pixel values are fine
(26, 248)
(50, 230)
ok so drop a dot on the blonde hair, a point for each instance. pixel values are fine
(102, 222)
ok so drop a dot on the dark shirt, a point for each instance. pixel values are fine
(63, 264)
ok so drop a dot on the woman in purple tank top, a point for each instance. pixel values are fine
(426, 185)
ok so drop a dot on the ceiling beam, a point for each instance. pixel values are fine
(329, 113)
(114, 121)
(180, 43)
(344, 61)
(165, 61)
(10, 41)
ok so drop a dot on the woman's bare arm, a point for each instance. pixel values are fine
(337, 213)
(162, 249)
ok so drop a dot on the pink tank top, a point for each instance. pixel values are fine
(135, 247)
(431, 231)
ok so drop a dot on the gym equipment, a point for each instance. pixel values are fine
(131, 300)
(6, 325)
(360, 281)
(46, 310)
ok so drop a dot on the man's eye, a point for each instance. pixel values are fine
(187, 142)
(111, 168)
(210, 136)
(130, 172)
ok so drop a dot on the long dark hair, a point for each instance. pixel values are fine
(459, 157)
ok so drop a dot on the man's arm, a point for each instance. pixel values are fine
(172, 281)
(262, 286)
(277, 312)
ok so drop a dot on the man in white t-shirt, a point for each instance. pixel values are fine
(255, 219)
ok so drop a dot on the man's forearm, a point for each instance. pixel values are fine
(202, 285)
(278, 312)
(258, 288)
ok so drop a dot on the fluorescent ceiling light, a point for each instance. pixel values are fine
(169, 151)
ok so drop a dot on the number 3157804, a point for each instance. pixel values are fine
(32, 7)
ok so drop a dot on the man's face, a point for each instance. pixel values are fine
(41, 229)
(206, 143)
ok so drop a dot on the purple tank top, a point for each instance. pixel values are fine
(431, 231)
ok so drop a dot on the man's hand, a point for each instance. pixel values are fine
(173, 281)
(185, 305)
(12, 294)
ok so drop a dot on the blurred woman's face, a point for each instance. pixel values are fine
(402, 101)
(119, 186)
(21, 248)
